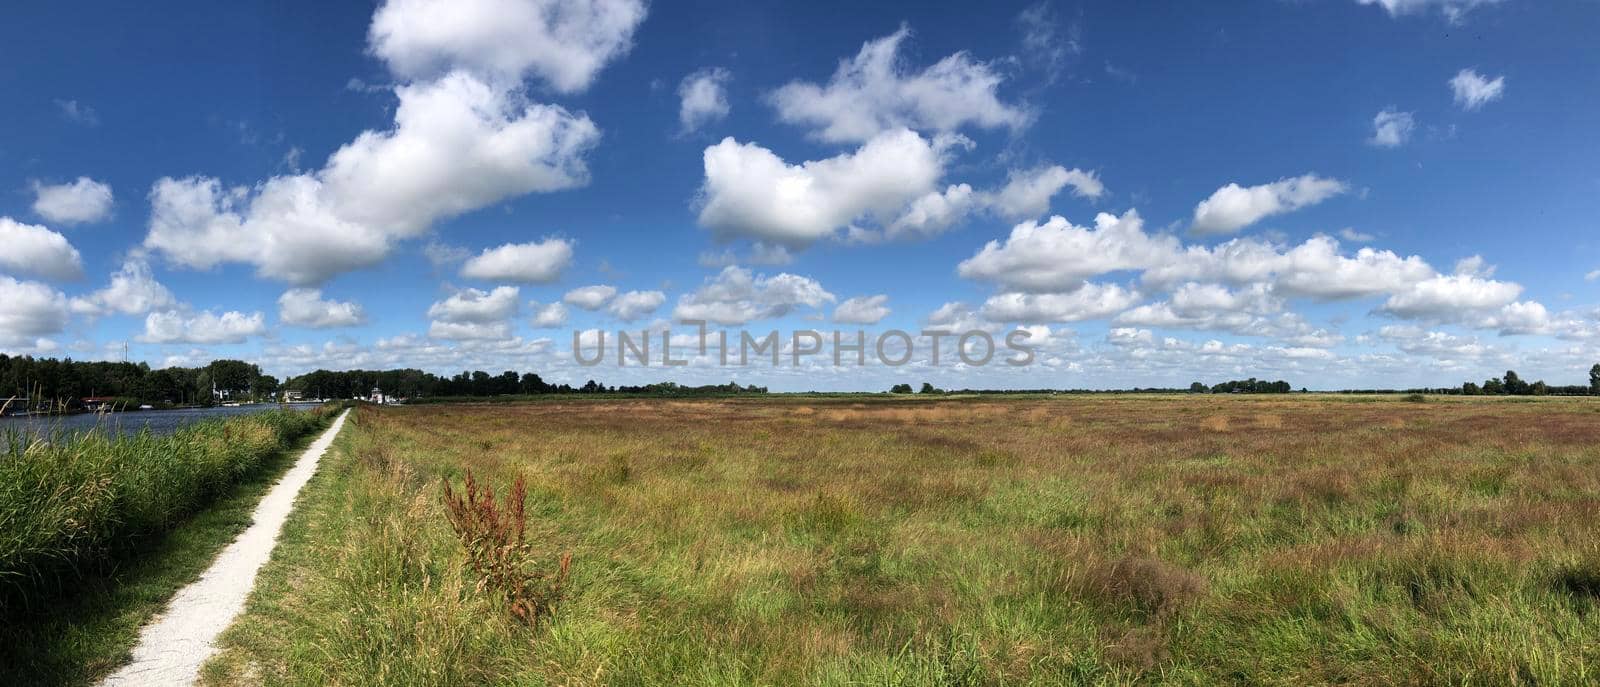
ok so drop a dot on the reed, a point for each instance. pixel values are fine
(72, 503)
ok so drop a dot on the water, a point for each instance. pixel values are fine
(158, 421)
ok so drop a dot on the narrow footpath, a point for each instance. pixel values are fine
(174, 645)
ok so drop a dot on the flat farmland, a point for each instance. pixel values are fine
(947, 540)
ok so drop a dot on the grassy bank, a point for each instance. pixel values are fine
(75, 504)
(80, 637)
(1021, 542)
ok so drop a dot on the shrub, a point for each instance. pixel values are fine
(495, 539)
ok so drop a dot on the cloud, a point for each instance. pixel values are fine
(474, 314)
(1087, 302)
(1451, 297)
(633, 305)
(476, 306)
(29, 310)
(751, 192)
(1057, 256)
(1391, 128)
(465, 136)
(875, 92)
(463, 331)
(761, 253)
(1353, 236)
(78, 113)
(1234, 207)
(704, 98)
(1454, 10)
(306, 308)
(1473, 90)
(1027, 193)
(590, 297)
(457, 146)
(1317, 269)
(737, 296)
(563, 42)
(174, 326)
(80, 202)
(548, 316)
(1255, 310)
(931, 214)
(539, 262)
(1042, 44)
(30, 249)
(862, 310)
(133, 290)
(1592, 275)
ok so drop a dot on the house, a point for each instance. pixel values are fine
(292, 396)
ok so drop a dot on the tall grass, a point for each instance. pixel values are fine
(69, 503)
(1104, 540)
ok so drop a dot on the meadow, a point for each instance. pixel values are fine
(942, 541)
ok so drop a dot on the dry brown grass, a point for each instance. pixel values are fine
(1048, 540)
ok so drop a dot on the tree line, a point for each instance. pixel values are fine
(63, 384)
(413, 383)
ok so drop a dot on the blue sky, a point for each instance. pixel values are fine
(1338, 193)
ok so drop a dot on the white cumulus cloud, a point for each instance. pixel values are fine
(133, 290)
(1027, 193)
(862, 310)
(548, 316)
(590, 297)
(703, 98)
(36, 251)
(751, 192)
(1391, 128)
(1087, 302)
(307, 308)
(81, 202)
(563, 42)
(736, 296)
(540, 262)
(205, 327)
(876, 92)
(1058, 256)
(633, 305)
(458, 145)
(29, 310)
(1234, 207)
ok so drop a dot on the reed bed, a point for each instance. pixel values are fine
(70, 503)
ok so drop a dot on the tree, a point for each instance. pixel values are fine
(1198, 388)
(1470, 389)
(1594, 379)
(900, 389)
(1514, 384)
(928, 389)
(1493, 386)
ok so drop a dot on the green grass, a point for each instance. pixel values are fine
(79, 636)
(70, 503)
(1043, 541)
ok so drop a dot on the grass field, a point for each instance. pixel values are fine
(1029, 541)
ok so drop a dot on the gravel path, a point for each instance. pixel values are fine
(173, 646)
